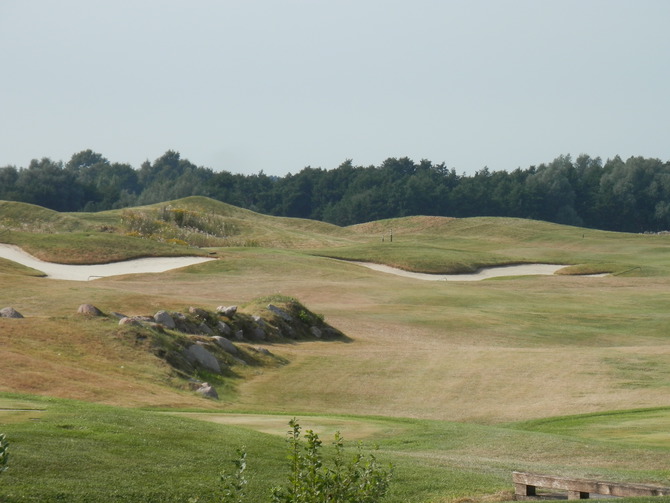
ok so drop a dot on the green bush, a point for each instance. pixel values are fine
(4, 452)
(358, 480)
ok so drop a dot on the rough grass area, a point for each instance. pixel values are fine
(9, 267)
(458, 383)
(94, 247)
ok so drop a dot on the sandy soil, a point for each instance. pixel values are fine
(490, 272)
(95, 271)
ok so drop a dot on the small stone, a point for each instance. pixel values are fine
(10, 312)
(227, 311)
(89, 310)
(207, 391)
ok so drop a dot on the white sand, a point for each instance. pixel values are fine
(490, 272)
(95, 271)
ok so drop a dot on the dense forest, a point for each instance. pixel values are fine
(631, 195)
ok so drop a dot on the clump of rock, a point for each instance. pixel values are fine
(199, 340)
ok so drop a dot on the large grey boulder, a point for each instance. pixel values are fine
(196, 354)
(10, 312)
(89, 310)
(164, 318)
(227, 346)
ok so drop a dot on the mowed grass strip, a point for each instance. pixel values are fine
(79, 452)
(642, 427)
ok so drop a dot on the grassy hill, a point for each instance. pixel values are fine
(458, 382)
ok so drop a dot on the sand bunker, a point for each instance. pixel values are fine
(489, 272)
(95, 271)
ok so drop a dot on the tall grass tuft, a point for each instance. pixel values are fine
(179, 226)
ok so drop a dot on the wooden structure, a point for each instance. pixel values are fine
(525, 485)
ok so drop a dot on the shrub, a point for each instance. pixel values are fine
(4, 452)
(359, 480)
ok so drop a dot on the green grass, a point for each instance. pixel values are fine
(79, 452)
(643, 427)
(73, 451)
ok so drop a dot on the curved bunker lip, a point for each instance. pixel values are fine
(95, 271)
(486, 273)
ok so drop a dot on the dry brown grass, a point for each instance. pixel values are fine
(83, 359)
(490, 352)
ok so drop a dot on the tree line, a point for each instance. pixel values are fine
(631, 195)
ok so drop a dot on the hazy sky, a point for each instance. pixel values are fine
(277, 85)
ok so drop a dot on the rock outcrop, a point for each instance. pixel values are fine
(198, 340)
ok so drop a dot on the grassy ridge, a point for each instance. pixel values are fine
(425, 244)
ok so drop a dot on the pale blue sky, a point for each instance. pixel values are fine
(277, 85)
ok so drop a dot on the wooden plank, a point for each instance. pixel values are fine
(585, 486)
